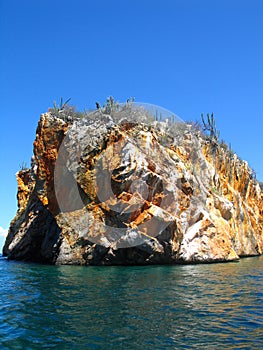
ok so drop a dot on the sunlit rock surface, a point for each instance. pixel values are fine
(133, 194)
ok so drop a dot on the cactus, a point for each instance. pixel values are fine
(61, 106)
(210, 127)
(23, 166)
(110, 106)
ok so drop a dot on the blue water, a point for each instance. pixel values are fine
(217, 306)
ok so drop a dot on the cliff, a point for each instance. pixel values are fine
(101, 192)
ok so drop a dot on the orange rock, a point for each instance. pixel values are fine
(129, 199)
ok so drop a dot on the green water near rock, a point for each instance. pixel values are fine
(216, 306)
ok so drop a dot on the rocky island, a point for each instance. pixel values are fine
(123, 186)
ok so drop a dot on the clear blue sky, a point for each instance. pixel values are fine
(189, 56)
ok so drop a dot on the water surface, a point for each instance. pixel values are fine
(216, 306)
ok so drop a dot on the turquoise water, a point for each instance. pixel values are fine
(217, 306)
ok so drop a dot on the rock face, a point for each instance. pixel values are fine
(101, 193)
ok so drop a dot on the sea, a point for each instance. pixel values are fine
(214, 306)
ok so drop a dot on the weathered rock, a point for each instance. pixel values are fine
(102, 194)
(34, 234)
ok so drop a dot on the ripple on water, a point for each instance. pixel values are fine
(216, 306)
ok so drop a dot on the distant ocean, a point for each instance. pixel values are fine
(216, 306)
